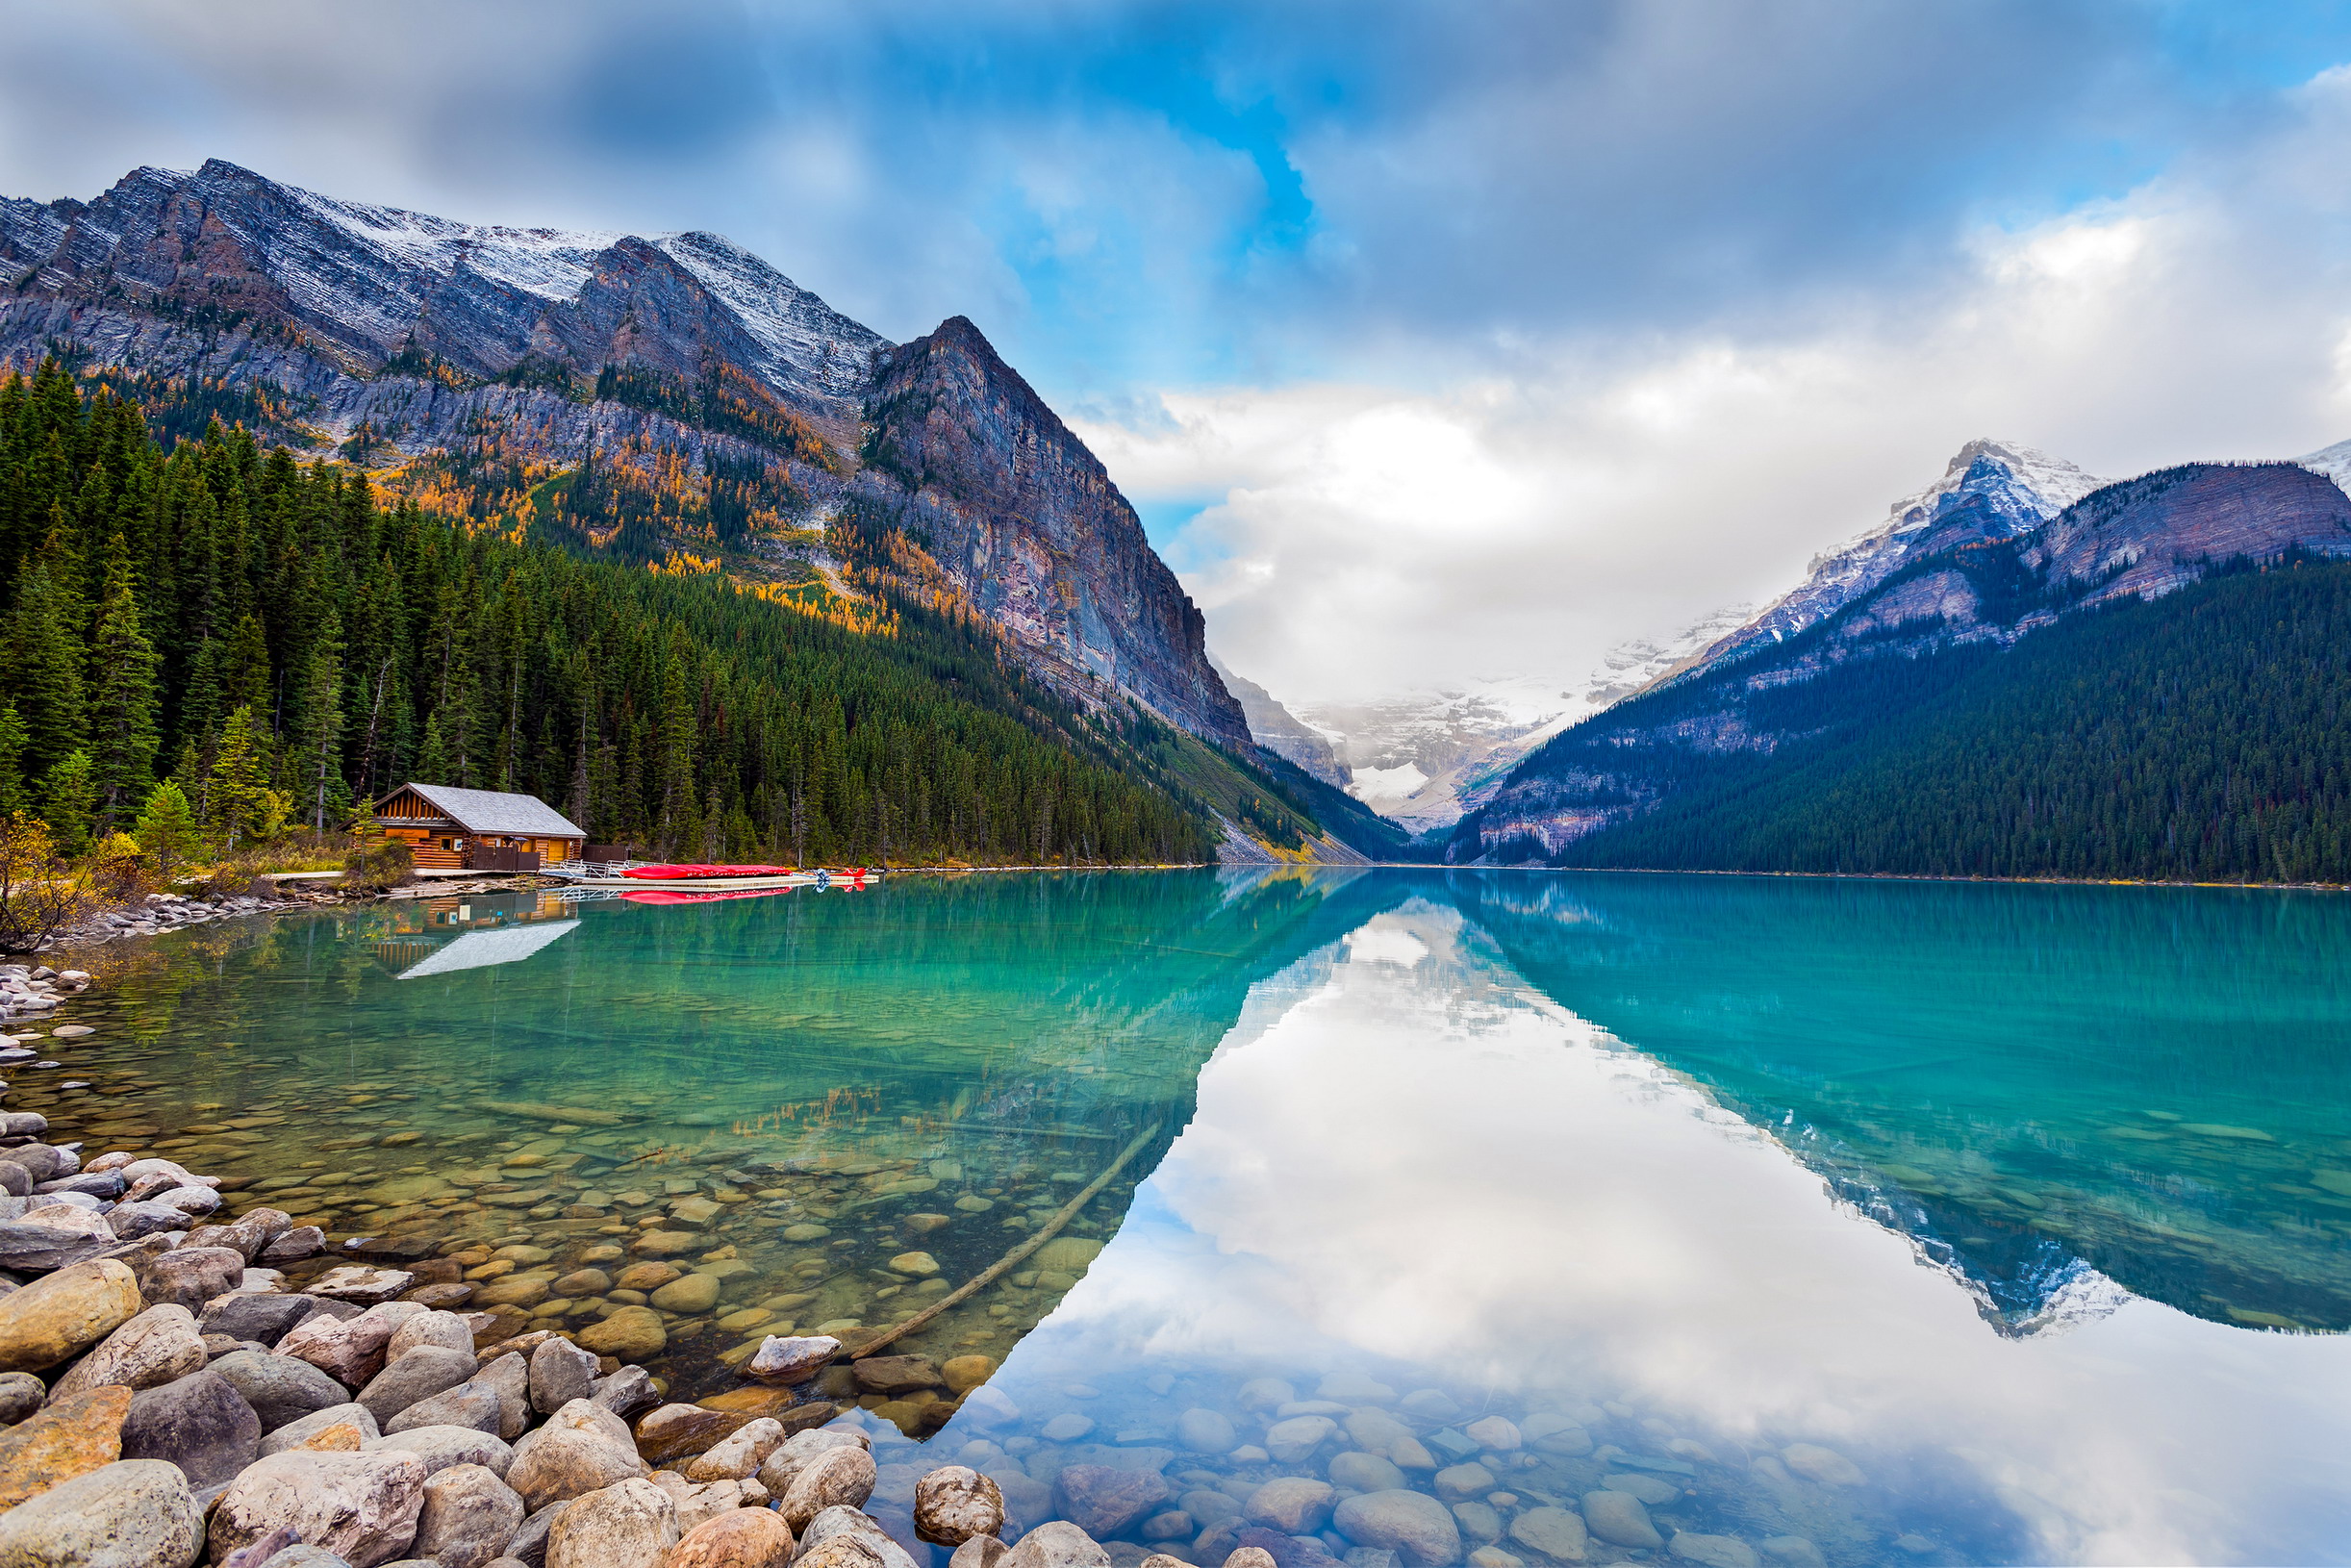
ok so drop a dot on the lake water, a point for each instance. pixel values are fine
(1798, 1220)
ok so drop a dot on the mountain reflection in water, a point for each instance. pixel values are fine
(1647, 1166)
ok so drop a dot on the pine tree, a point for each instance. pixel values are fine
(677, 761)
(237, 802)
(320, 757)
(14, 796)
(166, 831)
(44, 675)
(123, 681)
(244, 676)
(68, 797)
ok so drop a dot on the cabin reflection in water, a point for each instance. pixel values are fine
(439, 936)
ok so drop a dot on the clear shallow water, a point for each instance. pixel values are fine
(1998, 1193)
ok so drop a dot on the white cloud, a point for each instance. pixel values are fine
(1372, 538)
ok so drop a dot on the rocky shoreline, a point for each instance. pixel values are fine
(172, 1396)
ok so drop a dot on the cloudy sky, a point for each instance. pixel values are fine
(1435, 341)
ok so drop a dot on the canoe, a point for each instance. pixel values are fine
(700, 873)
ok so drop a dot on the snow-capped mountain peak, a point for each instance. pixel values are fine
(1990, 490)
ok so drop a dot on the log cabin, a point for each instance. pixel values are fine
(453, 830)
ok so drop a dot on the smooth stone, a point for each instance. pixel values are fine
(687, 1293)
(441, 1447)
(1648, 1488)
(897, 1374)
(805, 1232)
(555, 1464)
(737, 1456)
(1497, 1434)
(131, 1221)
(65, 1313)
(1055, 1544)
(294, 1432)
(560, 1371)
(1809, 1460)
(138, 1513)
(361, 1506)
(192, 1276)
(72, 1437)
(1413, 1525)
(954, 1503)
(675, 1431)
(582, 1283)
(844, 1538)
(420, 1374)
(508, 1377)
(200, 1422)
(1293, 1505)
(348, 1350)
(634, 1333)
(1360, 1471)
(795, 1453)
(1103, 1500)
(445, 1331)
(629, 1523)
(1205, 1431)
(471, 1405)
(1552, 1532)
(467, 1517)
(965, 1372)
(529, 1547)
(918, 1265)
(740, 1538)
(1066, 1427)
(1620, 1518)
(21, 1395)
(980, 1551)
(280, 1388)
(625, 1392)
(1796, 1551)
(263, 1319)
(301, 1242)
(647, 1276)
(781, 1361)
(665, 1243)
(363, 1283)
(1712, 1550)
(1464, 1481)
(1479, 1521)
(1291, 1441)
(841, 1477)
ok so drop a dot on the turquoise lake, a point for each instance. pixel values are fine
(1839, 1222)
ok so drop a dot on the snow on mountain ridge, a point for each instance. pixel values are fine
(2004, 487)
(1426, 758)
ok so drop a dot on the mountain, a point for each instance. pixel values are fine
(1277, 729)
(2095, 695)
(664, 398)
(992, 494)
(1990, 491)
(1425, 758)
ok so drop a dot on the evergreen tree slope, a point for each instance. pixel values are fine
(2205, 736)
(280, 645)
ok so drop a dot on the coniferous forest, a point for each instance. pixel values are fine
(267, 636)
(2200, 736)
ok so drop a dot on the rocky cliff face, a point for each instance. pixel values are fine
(1023, 522)
(399, 338)
(2141, 537)
(1279, 730)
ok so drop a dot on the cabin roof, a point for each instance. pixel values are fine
(491, 811)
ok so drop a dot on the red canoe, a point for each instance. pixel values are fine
(688, 873)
